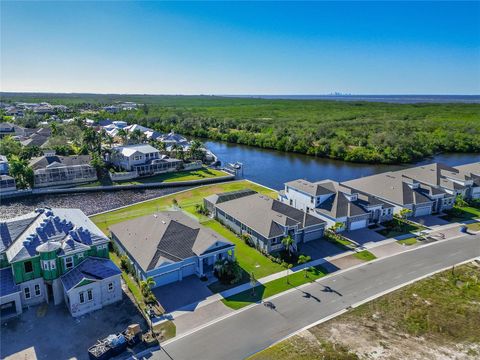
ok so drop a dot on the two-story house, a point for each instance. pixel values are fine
(473, 172)
(55, 256)
(143, 159)
(267, 221)
(335, 203)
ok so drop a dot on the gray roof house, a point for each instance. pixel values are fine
(473, 172)
(169, 246)
(55, 170)
(268, 221)
(395, 189)
(336, 203)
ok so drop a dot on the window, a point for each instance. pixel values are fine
(45, 265)
(27, 265)
(53, 265)
(110, 286)
(68, 262)
(80, 255)
(38, 291)
(311, 199)
(26, 292)
(89, 295)
(82, 297)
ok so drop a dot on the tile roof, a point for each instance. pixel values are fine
(267, 216)
(90, 269)
(7, 284)
(164, 238)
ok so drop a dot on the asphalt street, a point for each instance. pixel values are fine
(257, 327)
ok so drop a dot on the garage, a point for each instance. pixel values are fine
(167, 278)
(423, 211)
(313, 235)
(359, 224)
(188, 270)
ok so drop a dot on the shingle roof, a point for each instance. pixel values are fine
(165, 237)
(265, 215)
(471, 169)
(313, 189)
(7, 284)
(44, 161)
(389, 186)
(230, 195)
(90, 269)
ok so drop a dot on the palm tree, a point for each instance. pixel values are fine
(288, 242)
(253, 282)
(337, 227)
(304, 259)
(122, 134)
(146, 285)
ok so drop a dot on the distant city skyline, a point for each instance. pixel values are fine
(239, 48)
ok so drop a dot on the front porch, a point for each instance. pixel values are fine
(206, 262)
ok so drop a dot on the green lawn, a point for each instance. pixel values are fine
(271, 288)
(462, 213)
(397, 227)
(249, 258)
(474, 226)
(365, 255)
(186, 200)
(408, 242)
(131, 283)
(177, 176)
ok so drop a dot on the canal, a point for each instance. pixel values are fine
(267, 167)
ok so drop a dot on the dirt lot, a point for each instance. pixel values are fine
(436, 318)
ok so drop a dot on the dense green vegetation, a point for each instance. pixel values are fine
(352, 131)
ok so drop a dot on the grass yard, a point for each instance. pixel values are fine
(432, 318)
(365, 255)
(458, 214)
(166, 330)
(397, 227)
(200, 174)
(249, 258)
(408, 242)
(186, 200)
(274, 287)
(131, 283)
(474, 226)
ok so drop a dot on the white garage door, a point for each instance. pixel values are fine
(423, 211)
(166, 278)
(360, 224)
(188, 270)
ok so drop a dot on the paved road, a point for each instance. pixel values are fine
(256, 328)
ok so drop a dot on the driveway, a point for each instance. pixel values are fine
(320, 248)
(190, 290)
(387, 249)
(50, 332)
(430, 221)
(363, 236)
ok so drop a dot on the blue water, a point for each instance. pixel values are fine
(399, 99)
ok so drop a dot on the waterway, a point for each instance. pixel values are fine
(267, 167)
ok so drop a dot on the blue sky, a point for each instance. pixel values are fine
(241, 48)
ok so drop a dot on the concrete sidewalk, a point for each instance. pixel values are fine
(213, 308)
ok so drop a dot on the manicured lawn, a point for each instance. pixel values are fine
(408, 242)
(474, 226)
(397, 227)
(365, 255)
(271, 288)
(462, 213)
(131, 283)
(249, 258)
(166, 330)
(177, 176)
(186, 200)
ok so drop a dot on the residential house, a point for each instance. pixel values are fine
(55, 170)
(3, 165)
(393, 188)
(335, 203)
(169, 246)
(143, 159)
(55, 256)
(7, 184)
(172, 138)
(472, 171)
(8, 129)
(267, 221)
(211, 201)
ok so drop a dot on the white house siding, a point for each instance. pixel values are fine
(7, 300)
(101, 296)
(34, 299)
